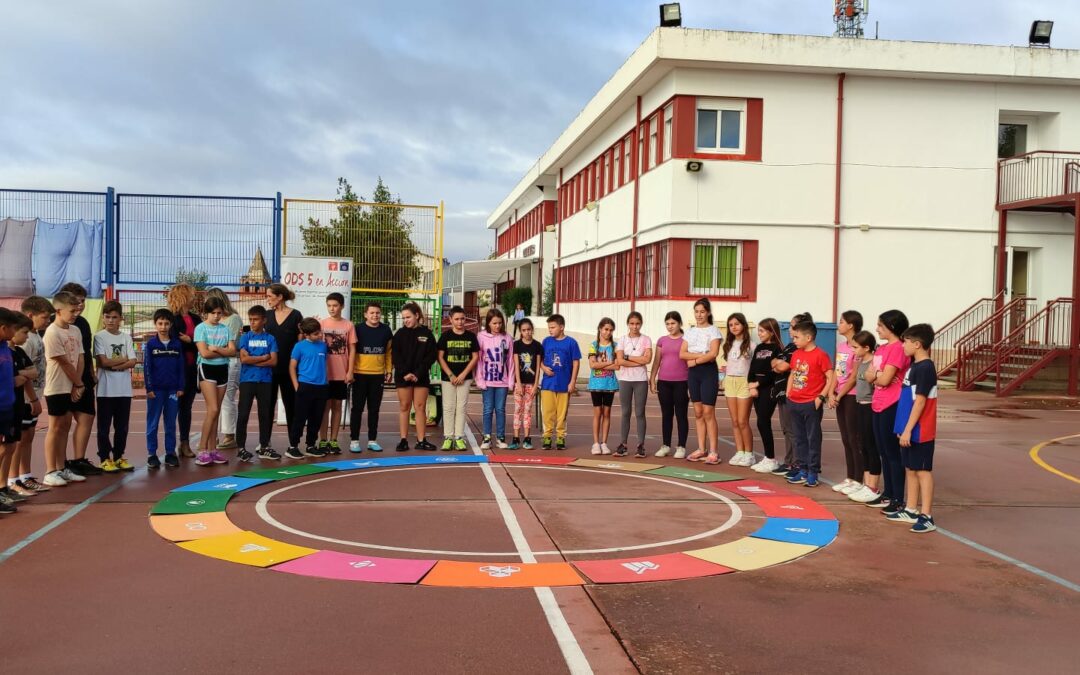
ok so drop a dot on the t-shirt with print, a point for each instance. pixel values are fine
(113, 383)
(65, 343)
(559, 356)
(257, 344)
(458, 351)
(633, 346)
(214, 336)
(528, 356)
(845, 365)
(809, 370)
(699, 339)
(338, 334)
(672, 368)
(35, 349)
(737, 365)
(920, 380)
(890, 354)
(761, 366)
(602, 380)
(780, 383)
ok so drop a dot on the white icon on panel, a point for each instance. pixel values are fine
(252, 548)
(500, 572)
(641, 567)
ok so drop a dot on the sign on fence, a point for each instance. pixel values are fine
(312, 279)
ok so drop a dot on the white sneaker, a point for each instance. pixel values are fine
(742, 459)
(736, 459)
(595, 449)
(749, 459)
(486, 445)
(54, 479)
(851, 489)
(765, 466)
(839, 487)
(501, 443)
(664, 451)
(604, 449)
(354, 446)
(680, 453)
(70, 476)
(864, 494)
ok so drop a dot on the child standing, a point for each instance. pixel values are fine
(83, 410)
(562, 357)
(458, 353)
(227, 419)
(64, 387)
(863, 344)
(215, 345)
(340, 337)
(762, 379)
(38, 309)
(164, 370)
(528, 354)
(916, 425)
(495, 375)
(258, 357)
(307, 369)
(700, 347)
(25, 398)
(886, 373)
(413, 350)
(115, 355)
(811, 380)
(843, 400)
(603, 385)
(374, 367)
(633, 354)
(737, 350)
(9, 420)
(519, 316)
(668, 382)
(782, 368)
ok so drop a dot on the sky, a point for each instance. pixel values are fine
(449, 101)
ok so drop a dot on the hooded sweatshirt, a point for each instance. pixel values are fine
(163, 365)
(496, 366)
(413, 351)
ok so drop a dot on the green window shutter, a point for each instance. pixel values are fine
(727, 267)
(704, 265)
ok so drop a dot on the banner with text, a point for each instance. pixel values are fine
(312, 279)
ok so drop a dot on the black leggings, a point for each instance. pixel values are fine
(310, 406)
(283, 383)
(848, 421)
(871, 458)
(674, 401)
(764, 407)
(366, 390)
(888, 443)
(183, 416)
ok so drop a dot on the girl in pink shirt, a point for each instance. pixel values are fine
(887, 375)
(668, 382)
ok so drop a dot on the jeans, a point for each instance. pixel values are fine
(163, 403)
(632, 397)
(806, 428)
(367, 390)
(888, 443)
(114, 412)
(495, 401)
(227, 421)
(674, 398)
(262, 394)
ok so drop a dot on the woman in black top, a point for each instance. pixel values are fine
(413, 353)
(762, 378)
(181, 299)
(283, 322)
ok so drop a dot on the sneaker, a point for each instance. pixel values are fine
(892, 509)
(109, 466)
(621, 450)
(904, 516)
(70, 476)
(604, 449)
(811, 479)
(293, 452)
(54, 479)
(218, 458)
(664, 451)
(527, 443)
(20, 489)
(334, 448)
(851, 489)
(924, 524)
(228, 442)
(448, 444)
(798, 479)
(680, 453)
(314, 451)
(374, 446)
(172, 462)
(185, 449)
(486, 444)
(7, 508)
(792, 472)
(737, 459)
(781, 470)
(267, 453)
(595, 449)
(34, 485)
(11, 496)
(841, 485)
(640, 454)
(424, 445)
(460, 445)
(879, 502)
(403, 446)
(124, 465)
(545, 444)
(244, 456)
(324, 446)
(561, 444)
(152, 462)
(767, 465)
(354, 446)
(204, 458)
(864, 494)
(501, 442)
(86, 467)
(514, 445)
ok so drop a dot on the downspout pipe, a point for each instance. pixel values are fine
(836, 197)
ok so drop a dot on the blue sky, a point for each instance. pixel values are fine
(444, 100)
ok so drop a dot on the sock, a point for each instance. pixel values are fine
(25, 476)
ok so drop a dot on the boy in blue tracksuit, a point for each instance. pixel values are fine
(163, 375)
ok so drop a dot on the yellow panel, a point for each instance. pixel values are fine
(247, 548)
(614, 465)
(749, 553)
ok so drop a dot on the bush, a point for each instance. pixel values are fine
(511, 298)
(547, 307)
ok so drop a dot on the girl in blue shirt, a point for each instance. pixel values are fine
(602, 383)
(215, 345)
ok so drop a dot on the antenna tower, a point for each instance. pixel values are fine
(849, 17)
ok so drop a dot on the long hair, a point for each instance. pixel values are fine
(414, 308)
(729, 337)
(770, 324)
(604, 322)
(219, 295)
(704, 302)
(180, 299)
(895, 321)
(494, 313)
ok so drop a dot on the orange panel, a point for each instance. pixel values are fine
(501, 575)
(191, 526)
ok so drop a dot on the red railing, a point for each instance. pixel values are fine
(1032, 345)
(1038, 176)
(947, 336)
(975, 356)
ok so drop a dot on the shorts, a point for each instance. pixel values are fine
(59, 405)
(10, 430)
(422, 380)
(29, 419)
(736, 386)
(85, 404)
(602, 399)
(919, 457)
(218, 374)
(704, 384)
(337, 390)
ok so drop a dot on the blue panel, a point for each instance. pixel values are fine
(729, 129)
(798, 531)
(706, 128)
(231, 483)
(375, 463)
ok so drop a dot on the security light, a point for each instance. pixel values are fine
(693, 166)
(1040, 33)
(670, 15)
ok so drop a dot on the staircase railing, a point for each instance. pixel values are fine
(975, 350)
(1032, 345)
(1036, 176)
(947, 336)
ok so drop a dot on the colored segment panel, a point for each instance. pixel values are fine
(793, 507)
(501, 575)
(615, 466)
(749, 553)
(690, 474)
(798, 531)
(203, 501)
(231, 483)
(520, 459)
(753, 488)
(247, 548)
(351, 464)
(665, 567)
(285, 472)
(334, 565)
(190, 526)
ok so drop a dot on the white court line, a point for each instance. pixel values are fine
(568, 644)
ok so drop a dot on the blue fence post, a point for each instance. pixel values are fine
(110, 241)
(276, 272)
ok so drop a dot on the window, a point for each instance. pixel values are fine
(641, 150)
(1012, 140)
(607, 173)
(627, 154)
(662, 265)
(668, 117)
(654, 131)
(616, 169)
(719, 125)
(716, 268)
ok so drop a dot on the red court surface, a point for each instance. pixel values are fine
(89, 584)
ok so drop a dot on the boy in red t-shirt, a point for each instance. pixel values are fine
(812, 375)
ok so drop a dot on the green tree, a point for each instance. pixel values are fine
(197, 278)
(375, 236)
(547, 304)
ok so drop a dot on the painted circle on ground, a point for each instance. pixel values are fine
(261, 508)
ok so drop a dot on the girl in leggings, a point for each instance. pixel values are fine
(283, 322)
(762, 378)
(863, 345)
(668, 382)
(737, 387)
(700, 347)
(602, 385)
(413, 352)
(633, 353)
(886, 373)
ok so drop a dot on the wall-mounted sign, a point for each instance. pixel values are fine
(529, 251)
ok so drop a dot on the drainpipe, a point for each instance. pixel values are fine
(633, 241)
(556, 271)
(836, 199)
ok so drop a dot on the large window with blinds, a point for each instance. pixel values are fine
(716, 267)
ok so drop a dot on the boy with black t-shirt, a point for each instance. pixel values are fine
(916, 425)
(459, 350)
(529, 355)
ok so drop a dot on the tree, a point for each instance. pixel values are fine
(375, 236)
(547, 305)
(197, 278)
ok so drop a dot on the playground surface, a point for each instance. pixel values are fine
(89, 583)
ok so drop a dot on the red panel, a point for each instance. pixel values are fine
(750, 270)
(793, 507)
(752, 489)
(754, 114)
(648, 568)
(685, 124)
(679, 269)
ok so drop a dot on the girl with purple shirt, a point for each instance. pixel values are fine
(495, 374)
(668, 382)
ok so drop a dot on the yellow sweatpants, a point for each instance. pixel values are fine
(554, 406)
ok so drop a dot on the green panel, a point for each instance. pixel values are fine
(727, 267)
(286, 472)
(690, 474)
(195, 501)
(703, 265)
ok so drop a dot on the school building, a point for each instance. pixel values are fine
(785, 173)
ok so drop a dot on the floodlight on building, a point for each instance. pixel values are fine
(670, 15)
(1040, 33)
(693, 166)
(591, 206)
